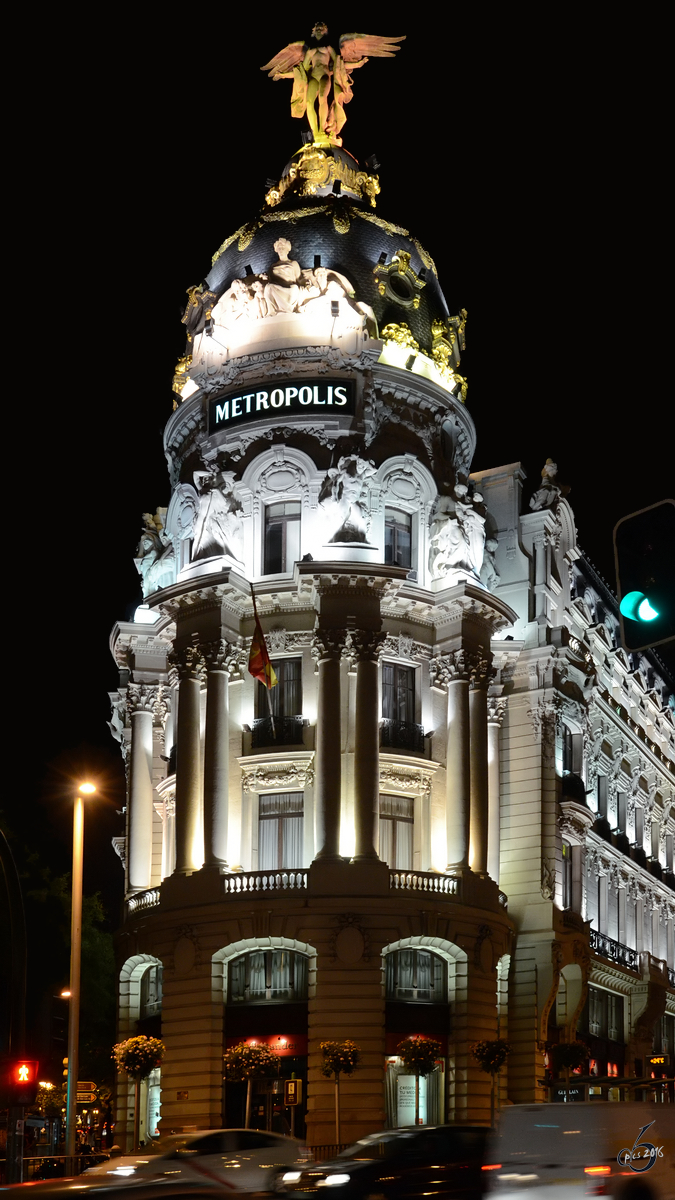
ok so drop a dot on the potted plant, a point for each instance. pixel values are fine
(420, 1056)
(244, 1062)
(491, 1056)
(339, 1058)
(137, 1057)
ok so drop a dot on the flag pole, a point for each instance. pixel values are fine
(265, 685)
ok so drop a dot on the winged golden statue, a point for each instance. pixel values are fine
(322, 76)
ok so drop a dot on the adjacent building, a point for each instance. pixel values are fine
(453, 815)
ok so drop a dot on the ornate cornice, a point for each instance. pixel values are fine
(405, 779)
(277, 774)
(404, 645)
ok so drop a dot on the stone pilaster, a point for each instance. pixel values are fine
(495, 716)
(145, 706)
(478, 742)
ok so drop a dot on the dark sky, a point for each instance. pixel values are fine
(527, 160)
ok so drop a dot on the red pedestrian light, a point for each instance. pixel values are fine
(23, 1081)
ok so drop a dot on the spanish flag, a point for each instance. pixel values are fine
(259, 665)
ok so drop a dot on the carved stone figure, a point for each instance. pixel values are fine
(288, 288)
(218, 528)
(155, 558)
(550, 490)
(316, 68)
(489, 575)
(344, 498)
(457, 534)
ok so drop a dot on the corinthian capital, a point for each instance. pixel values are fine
(148, 697)
(328, 643)
(188, 663)
(496, 709)
(220, 655)
(447, 668)
(366, 644)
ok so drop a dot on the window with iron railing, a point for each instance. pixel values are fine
(278, 718)
(399, 730)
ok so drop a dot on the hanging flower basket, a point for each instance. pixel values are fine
(568, 1056)
(340, 1058)
(138, 1056)
(250, 1062)
(491, 1056)
(419, 1055)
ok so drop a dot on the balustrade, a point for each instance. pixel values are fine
(264, 881)
(616, 952)
(401, 735)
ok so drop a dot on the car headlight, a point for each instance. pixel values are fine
(333, 1181)
(291, 1176)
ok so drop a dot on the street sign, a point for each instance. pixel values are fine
(292, 1091)
(86, 1097)
(85, 1085)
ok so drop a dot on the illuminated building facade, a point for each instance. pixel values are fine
(454, 814)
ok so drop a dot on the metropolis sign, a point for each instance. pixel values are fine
(308, 396)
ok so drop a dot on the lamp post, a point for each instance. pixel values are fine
(85, 789)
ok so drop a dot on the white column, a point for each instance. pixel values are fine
(141, 701)
(458, 771)
(578, 888)
(327, 648)
(189, 829)
(602, 903)
(621, 908)
(218, 656)
(366, 645)
(639, 923)
(656, 927)
(670, 942)
(496, 709)
(478, 755)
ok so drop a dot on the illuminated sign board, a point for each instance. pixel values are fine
(288, 1045)
(659, 1060)
(260, 401)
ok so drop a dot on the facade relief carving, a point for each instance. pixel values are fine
(457, 533)
(328, 644)
(187, 664)
(366, 644)
(155, 558)
(219, 528)
(149, 697)
(345, 500)
(551, 490)
(293, 775)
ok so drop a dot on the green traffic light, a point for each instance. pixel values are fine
(646, 612)
(636, 606)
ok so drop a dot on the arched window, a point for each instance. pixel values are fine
(151, 991)
(416, 975)
(267, 977)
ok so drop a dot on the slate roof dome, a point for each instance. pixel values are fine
(324, 204)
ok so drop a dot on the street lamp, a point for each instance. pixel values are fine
(85, 789)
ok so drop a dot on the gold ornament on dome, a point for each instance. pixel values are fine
(314, 170)
(447, 339)
(398, 282)
(322, 76)
(180, 376)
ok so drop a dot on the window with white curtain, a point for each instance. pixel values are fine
(416, 975)
(267, 976)
(286, 695)
(280, 831)
(396, 831)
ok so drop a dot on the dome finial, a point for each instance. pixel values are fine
(322, 76)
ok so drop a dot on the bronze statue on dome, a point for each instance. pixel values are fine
(316, 67)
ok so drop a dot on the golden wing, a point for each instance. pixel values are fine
(286, 59)
(354, 46)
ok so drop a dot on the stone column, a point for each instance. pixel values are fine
(602, 899)
(453, 671)
(670, 942)
(327, 648)
(496, 710)
(478, 752)
(578, 880)
(189, 830)
(220, 659)
(621, 910)
(366, 645)
(656, 926)
(639, 921)
(144, 702)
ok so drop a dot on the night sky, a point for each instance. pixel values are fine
(524, 158)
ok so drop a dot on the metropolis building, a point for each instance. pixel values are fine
(454, 815)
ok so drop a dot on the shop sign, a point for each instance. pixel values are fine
(659, 1060)
(561, 1095)
(263, 400)
(289, 1045)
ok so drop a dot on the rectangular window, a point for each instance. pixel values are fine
(615, 1017)
(280, 831)
(655, 840)
(621, 811)
(282, 537)
(396, 831)
(597, 1012)
(286, 697)
(568, 749)
(639, 826)
(567, 874)
(602, 795)
(397, 538)
(398, 693)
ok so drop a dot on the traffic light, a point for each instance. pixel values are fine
(23, 1082)
(644, 553)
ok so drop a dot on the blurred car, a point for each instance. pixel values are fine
(569, 1151)
(441, 1160)
(73, 1188)
(246, 1160)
